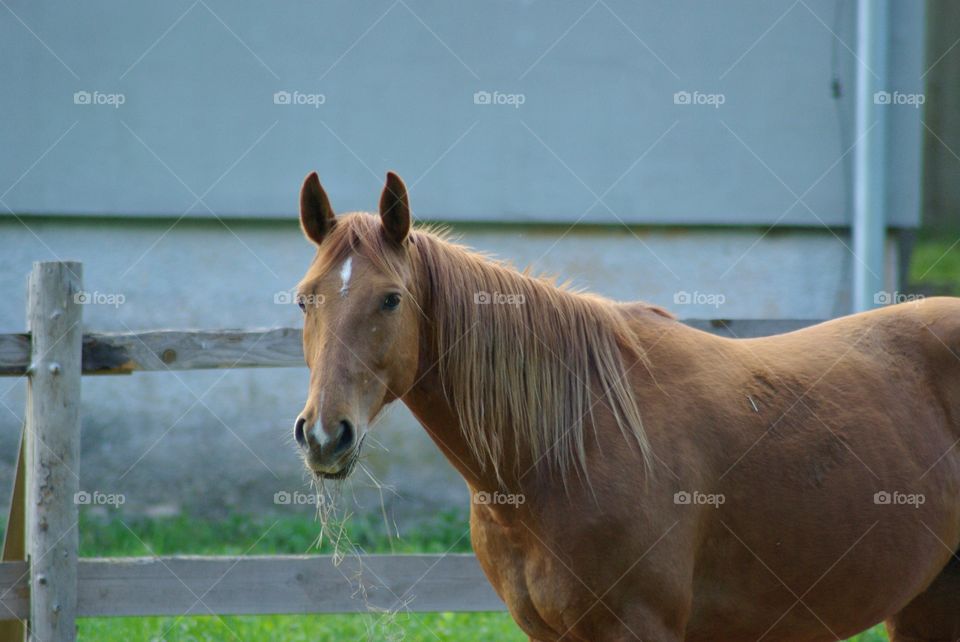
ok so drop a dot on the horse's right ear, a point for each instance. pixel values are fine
(316, 215)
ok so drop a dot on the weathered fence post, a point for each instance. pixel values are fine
(14, 537)
(53, 446)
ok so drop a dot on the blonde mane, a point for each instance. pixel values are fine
(524, 362)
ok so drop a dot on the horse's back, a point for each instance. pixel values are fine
(896, 358)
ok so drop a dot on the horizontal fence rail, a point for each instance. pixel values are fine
(264, 585)
(125, 353)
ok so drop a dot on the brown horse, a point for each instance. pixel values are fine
(634, 478)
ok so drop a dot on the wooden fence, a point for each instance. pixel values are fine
(45, 586)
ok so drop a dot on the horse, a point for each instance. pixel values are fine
(635, 478)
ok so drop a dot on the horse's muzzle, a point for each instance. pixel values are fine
(329, 453)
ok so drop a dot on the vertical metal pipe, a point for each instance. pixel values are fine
(869, 172)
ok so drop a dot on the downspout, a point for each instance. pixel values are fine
(869, 158)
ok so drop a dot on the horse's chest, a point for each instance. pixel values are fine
(531, 584)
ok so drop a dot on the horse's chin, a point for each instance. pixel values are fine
(341, 474)
(346, 470)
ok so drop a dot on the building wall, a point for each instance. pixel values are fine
(645, 111)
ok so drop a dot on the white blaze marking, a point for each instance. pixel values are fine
(345, 270)
(318, 436)
(317, 429)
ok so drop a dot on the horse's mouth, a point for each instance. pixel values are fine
(348, 466)
(343, 473)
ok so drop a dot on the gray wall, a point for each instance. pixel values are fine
(598, 83)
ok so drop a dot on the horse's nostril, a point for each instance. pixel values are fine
(345, 438)
(298, 432)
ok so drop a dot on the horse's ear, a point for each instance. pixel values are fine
(316, 215)
(395, 209)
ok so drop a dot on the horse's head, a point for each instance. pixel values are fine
(361, 325)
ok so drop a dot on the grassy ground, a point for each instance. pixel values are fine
(289, 535)
(935, 265)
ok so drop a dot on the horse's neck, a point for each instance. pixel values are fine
(429, 404)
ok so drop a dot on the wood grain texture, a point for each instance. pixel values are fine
(283, 584)
(257, 585)
(125, 353)
(14, 353)
(53, 448)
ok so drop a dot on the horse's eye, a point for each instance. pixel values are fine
(302, 304)
(391, 301)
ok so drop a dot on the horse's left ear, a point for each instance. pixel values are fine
(395, 209)
(316, 215)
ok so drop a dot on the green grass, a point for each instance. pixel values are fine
(241, 535)
(876, 634)
(935, 264)
(479, 627)
(445, 531)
